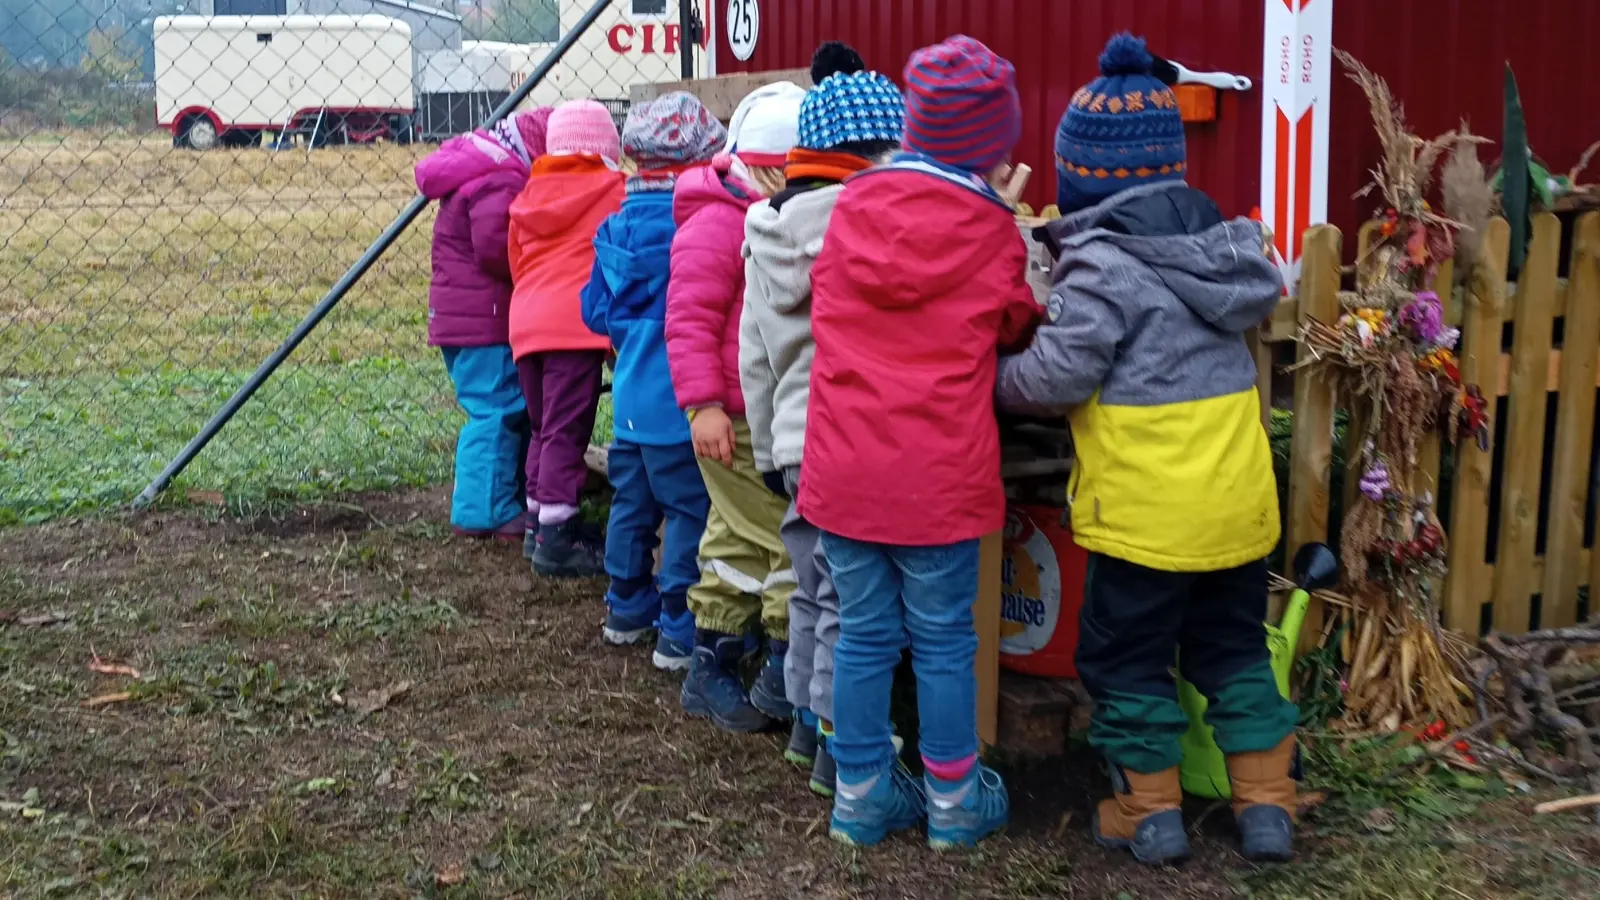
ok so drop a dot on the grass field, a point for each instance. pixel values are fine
(140, 285)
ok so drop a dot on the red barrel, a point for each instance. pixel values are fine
(1041, 593)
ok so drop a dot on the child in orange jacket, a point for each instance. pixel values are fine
(572, 189)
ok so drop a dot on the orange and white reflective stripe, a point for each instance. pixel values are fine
(1296, 79)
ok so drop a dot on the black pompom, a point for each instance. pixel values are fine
(835, 58)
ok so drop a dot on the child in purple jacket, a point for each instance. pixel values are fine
(474, 178)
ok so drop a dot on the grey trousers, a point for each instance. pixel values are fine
(813, 613)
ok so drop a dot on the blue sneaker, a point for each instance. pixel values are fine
(621, 631)
(671, 655)
(865, 814)
(962, 813)
(713, 690)
(769, 693)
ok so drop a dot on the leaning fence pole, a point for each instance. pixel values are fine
(351, 276)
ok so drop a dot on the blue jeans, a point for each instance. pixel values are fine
(488, 490)
(655, 484)
(889, 596)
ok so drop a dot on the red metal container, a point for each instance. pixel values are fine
(1041, 593)
(1443, 58)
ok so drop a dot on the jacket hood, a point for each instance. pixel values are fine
(464, 159)
(918, 240)
(784, 244)
(704, 187)
(635, 249)
(553, 203)
(1218, 268)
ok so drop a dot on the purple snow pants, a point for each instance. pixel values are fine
(562, 388)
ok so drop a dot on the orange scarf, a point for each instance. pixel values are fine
(823, 164)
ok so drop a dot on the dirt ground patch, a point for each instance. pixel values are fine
(343, 701)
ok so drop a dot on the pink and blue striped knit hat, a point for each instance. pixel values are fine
(962, 107)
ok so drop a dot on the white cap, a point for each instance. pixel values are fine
(766, 126)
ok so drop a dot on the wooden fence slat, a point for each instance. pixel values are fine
(1534, 317)
(1312, 443)
(1261, 352)
(1467, 587)
(1569, 487)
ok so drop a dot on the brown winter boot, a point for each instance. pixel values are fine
(1264, 801)
(1144, 816)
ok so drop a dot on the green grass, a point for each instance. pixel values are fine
(140, 286)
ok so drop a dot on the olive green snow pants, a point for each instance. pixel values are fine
(745, 574)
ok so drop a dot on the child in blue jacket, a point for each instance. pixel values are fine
(652, 464)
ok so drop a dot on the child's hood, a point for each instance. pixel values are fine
(464, 159)
(634, 247)
(553, 203)
(1218, 268)
(784, 244)
(708, 187)
(913, 235)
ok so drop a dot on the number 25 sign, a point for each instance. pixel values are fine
(744, 28)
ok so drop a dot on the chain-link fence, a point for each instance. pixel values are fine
(181, 181)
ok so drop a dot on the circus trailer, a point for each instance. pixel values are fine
(227, 80)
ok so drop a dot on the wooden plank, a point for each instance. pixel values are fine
(1285, 323)
(1261, 352)
(986, 617)
(1534, 315)
(1467, 586)
(1311, 448)
(720, 95)
(1569, 487)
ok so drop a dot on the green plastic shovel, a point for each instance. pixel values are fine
(1204, 770)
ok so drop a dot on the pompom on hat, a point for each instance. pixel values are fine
(835, 58)
(1121, 130)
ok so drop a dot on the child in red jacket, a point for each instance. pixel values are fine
(921, 278)
(746, 575)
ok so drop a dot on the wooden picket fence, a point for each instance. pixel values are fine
(1521, 522)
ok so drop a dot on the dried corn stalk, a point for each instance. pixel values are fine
(1392, 360)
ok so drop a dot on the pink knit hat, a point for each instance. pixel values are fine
(583, 126)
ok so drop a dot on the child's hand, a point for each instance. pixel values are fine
(713, 435)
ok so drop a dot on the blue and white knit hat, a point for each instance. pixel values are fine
(851, 108)
(1121, 130)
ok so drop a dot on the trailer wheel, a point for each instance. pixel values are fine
(197, 133)
(401, 130)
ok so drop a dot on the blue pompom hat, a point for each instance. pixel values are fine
(851, 107)
(1121, 130)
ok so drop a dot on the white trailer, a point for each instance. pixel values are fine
(334, 79)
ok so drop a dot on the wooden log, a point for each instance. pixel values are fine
(1534, 316)
(1468, 584)
(1312, 444)
(1569, 488)
(1036, 715)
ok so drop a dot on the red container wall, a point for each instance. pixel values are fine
(1443, 58)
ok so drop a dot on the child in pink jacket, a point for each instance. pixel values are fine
(746, 575)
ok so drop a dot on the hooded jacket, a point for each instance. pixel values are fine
(922, 277)
(553, 225)
(775, 346)
(1145, 350)
(626, 300)
(705, 297)
(474, 179)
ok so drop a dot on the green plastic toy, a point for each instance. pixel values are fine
(1204, 771)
